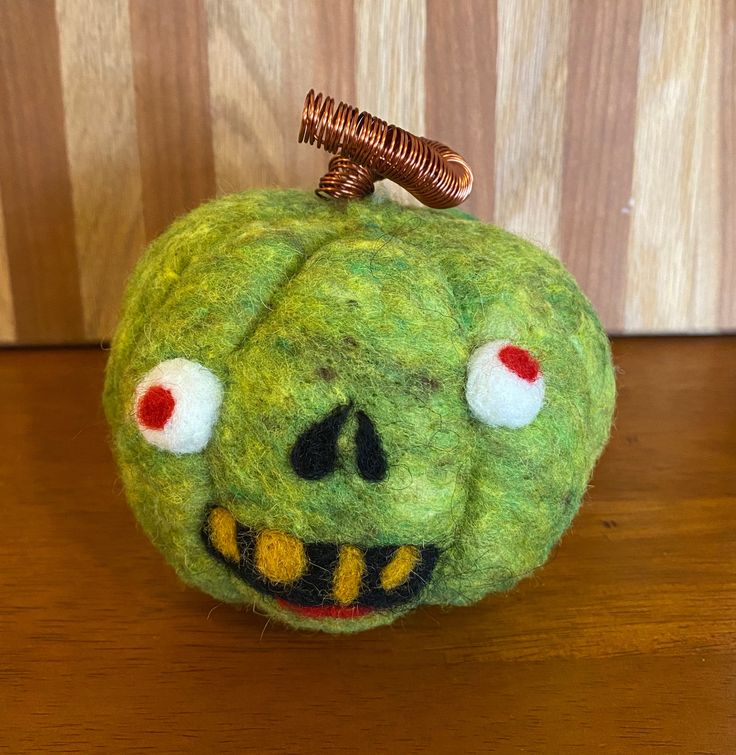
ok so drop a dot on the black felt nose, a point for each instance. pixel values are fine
(314, 454)
(370, 456)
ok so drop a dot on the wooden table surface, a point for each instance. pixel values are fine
(624, 641)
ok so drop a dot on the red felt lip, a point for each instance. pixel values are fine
(327, 612)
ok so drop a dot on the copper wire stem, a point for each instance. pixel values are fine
(369, 149)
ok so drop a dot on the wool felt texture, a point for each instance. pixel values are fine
(505, 387)
(370, 458)
(279, 557)
(177, 403)
(314, 454)
(318, 575)
(348, 575)
(397, 571)
(344, 338)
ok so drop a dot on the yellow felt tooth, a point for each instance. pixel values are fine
(223, 533)
(398, 569)
(280, 557)
(348, 575)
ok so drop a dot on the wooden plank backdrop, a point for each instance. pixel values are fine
(605, 130)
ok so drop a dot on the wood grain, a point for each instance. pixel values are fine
(460, 82)
(263, 59)
(599, 131)
(390, 40)
(97, 77)
(169, 40)
(530, 106)
(34, 177)
(624, 642)
(675, 238)
(604, 130)
(7, 316)
(727, 103)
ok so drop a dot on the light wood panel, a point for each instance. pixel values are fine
(530, 110)
(97, 77)
(390, 57)
(675, 238)
(604, 130)
(728, 165)
(263, 59)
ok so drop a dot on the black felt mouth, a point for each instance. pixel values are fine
(314, 587)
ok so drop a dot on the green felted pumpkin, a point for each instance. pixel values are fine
(335, 412)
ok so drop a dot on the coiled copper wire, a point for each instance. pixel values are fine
(370, 149)
(346, 179)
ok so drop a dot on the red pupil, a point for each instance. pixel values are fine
(155, 407)
(520, 361)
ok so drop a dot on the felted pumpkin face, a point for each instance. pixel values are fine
(338, 412)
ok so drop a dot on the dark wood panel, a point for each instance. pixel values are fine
(170, 67)
(600, 120)
(460, 82)
(625, 641)
(34, 177)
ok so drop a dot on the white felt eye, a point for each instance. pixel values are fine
(505, 386)
(176, 406)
